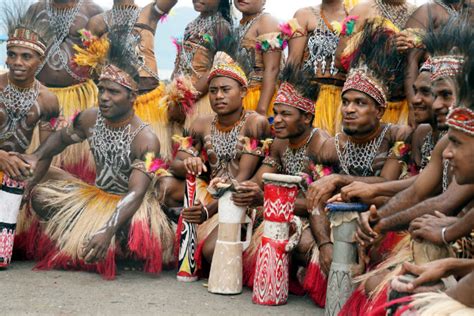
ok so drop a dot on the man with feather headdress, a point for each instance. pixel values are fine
(88, 227)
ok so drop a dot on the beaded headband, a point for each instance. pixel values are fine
(446, 66)
(288, 95)
(225, 66)
(462, 119)
(117, 75)
(359, 79)
(426, 66)
(23, 37)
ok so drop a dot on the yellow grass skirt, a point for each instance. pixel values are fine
(328, 108)
(252, 97)
(82, 210)
(396, 113)
(152, 108)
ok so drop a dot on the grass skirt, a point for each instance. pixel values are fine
(81, 210)
(327, 109)
(252, 97)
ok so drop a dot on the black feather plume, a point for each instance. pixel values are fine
(300, 80)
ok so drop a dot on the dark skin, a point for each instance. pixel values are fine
(116, 105)
(271, 59)
(380, 192)
(361, 119)
(22, 63)
(292, 127)
(59, 77)
(148, 16)
(429, 182)
(444, 92)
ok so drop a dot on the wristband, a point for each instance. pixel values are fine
(207, 212)
(443, 233)
(324, 243)
(158, 10)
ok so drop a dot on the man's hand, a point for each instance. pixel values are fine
(429, 227)
(194, 166)
(325, 258)
(96, 247)
(195, 214)
(359, 191)
(320, 191)
(14, 166)
(431, 272)
(365, 235)
(248, 193)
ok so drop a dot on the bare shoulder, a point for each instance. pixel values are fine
(255, 118)
(361, 9)
(268, 23)
(146, 141)
(257, 125)
(92, 8)
(421, 131)
(96, 24)
(303, 15)
(399, 133)
(199, 125)
(48, 102)
(86, 119)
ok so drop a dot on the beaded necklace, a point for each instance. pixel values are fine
(357, 159)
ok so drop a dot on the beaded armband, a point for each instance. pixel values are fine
(152, 166)
(255, 147)
(185, 144)
(49, 126)
(402, 152)
(271, 162)
(292, 29)
(271, 42)
(319, 170)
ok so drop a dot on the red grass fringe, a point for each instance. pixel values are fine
(144, 246)
(356, 304)
(249, 265)
(315, 284)
(177, 243)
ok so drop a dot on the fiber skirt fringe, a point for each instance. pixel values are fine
(427, 304)
(396, 113)
(252, 97)
(152, 108)
(81, 210)
(327, 109)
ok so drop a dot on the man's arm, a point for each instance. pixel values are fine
(455, 197)
(154, 11)
(426, 184)
(462, 292)
(297, 44)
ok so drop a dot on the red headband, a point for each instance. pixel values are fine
(117, 75)
(358, 79)
(462, 119)
(446, 66)
(288, 95)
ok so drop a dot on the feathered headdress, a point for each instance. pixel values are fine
(377, 68)
(19, 19)
(296, 89)
(110, 57)
(448, 46)
(225, 66)
(462, 117)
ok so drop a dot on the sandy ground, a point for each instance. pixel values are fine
(72, 293)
